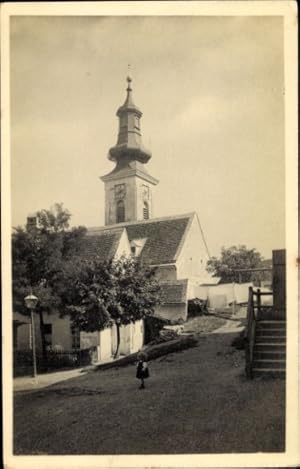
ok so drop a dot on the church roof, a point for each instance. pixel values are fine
(102, 244)
(164, 237)
(174, 292)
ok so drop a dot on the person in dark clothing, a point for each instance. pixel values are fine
(142, 370)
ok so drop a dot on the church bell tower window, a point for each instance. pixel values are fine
(146, 211)
(120, 211)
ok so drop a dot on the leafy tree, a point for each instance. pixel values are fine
(116, 292)
(232, 259)
(54, 220)
(39, 253)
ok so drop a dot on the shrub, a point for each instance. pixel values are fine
(197, 307)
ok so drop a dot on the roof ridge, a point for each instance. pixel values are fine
(140, 222)
(105, 230)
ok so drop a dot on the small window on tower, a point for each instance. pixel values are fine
(146, 211)
(120, 211)
(137, 122)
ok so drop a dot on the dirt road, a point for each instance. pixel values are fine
(196, 401)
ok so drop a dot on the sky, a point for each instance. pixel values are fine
(211, 90)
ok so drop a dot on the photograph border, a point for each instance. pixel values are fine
(286, 9)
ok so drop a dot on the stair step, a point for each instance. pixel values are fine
(269, 354)
(269, 339)
(269, 363)
(271, 324)
(267, 323)
(276, 346)
(272, 332)
(268, 372)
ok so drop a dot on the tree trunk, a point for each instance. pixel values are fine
(117, 353)
(44, 351)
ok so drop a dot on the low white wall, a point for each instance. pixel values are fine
(220, 296)
(172, 312)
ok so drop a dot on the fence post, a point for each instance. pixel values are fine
(258, 304)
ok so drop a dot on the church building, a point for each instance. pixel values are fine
(174, 245)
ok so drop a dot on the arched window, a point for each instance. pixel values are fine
(146, 211)
(120, 211)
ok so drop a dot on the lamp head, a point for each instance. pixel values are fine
(31, 301)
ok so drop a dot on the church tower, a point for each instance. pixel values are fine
(128, 187)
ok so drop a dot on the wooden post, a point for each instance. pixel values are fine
(279, 284)
(34, 373)
(258, 304)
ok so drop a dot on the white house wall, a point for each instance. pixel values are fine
(193, 256)
(105, 347)
(137, 336)
(131, 337)
(125, 339)
(61, 333)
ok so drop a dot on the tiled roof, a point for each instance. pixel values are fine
(164, 237)
(102, 243)
(174, 292)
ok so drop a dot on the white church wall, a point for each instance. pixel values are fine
(129, 199)
(124, 246)
(193, 256)
(144, 194)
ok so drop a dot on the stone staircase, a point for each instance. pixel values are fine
(269, 355)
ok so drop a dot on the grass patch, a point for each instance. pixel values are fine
(203, 324)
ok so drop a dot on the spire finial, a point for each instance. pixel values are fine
(129, 79)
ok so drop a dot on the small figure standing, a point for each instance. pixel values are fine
(142, 370)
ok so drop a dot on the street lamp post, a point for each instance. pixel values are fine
(30, 302)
